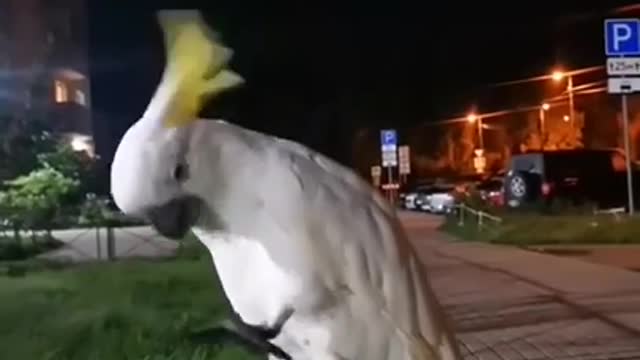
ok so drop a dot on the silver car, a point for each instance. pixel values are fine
(439, 200)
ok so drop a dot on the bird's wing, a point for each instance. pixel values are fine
(377, 261)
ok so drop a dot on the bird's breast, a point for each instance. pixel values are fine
(257, 287)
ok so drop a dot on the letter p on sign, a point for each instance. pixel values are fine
(622, 37)
(621, 34)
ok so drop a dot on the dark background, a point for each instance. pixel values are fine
(317, 72)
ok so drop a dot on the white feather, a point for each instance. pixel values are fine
(302, 231)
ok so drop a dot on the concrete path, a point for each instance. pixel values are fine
(130, 242)
(507, 303)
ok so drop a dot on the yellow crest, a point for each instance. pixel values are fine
(195, 65)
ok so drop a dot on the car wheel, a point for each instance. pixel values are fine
(518, 187)
(521, 187)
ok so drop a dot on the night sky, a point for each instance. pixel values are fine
(316, 73)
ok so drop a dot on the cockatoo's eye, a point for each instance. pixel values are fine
(180, 172)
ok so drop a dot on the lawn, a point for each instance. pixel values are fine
(124, 310)
(529, 229)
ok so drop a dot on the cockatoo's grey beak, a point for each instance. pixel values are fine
(176, 217)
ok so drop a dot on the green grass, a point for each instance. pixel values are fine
(124, 310)
(550, 229)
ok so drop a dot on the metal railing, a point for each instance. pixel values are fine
(110, 243)
(482, 219)
(104, 242)
(617, 213)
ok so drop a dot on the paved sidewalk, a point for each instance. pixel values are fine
(507, 303)
(87, 244)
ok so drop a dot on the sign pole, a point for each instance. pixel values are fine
(627, 150)
(621, 40)
(390, 182)
(389, 147)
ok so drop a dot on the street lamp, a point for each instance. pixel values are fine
(543, 108)
(558, 76)
(566, 118)
(471, 118)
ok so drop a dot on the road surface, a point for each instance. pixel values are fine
(507, 303)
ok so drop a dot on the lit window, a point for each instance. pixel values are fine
(61, 92)
(80, 98)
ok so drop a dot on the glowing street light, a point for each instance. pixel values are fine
(566, 118)
(543, 108)
(471, 118)
(558, 76)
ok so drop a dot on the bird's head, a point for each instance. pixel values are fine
(150, 172)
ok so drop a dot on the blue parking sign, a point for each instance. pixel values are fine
(388, 138)
(622, 37)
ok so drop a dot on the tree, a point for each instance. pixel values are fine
(24, 148)
(35, 200)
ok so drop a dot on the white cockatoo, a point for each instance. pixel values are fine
(313, 261)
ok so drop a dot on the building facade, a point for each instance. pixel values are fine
(44, 66)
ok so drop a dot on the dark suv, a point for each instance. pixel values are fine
(578, 176)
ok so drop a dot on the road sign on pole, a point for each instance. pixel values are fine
(376, 173)
(405, 163)
(479, 161)
(623, 66)
(389, 147)
(389, 138)
(622, 39)
(623, 85)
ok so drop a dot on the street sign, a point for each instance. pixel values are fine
(479, 161)
(389, 158)
(623, 85)
(622, 37)
(388, 138)
(389, 147)
(376, 174)
(623, 66)
(405, 163)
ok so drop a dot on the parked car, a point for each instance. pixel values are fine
(437, 199)
(577, 176)
(408, 197)
(492, 191)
